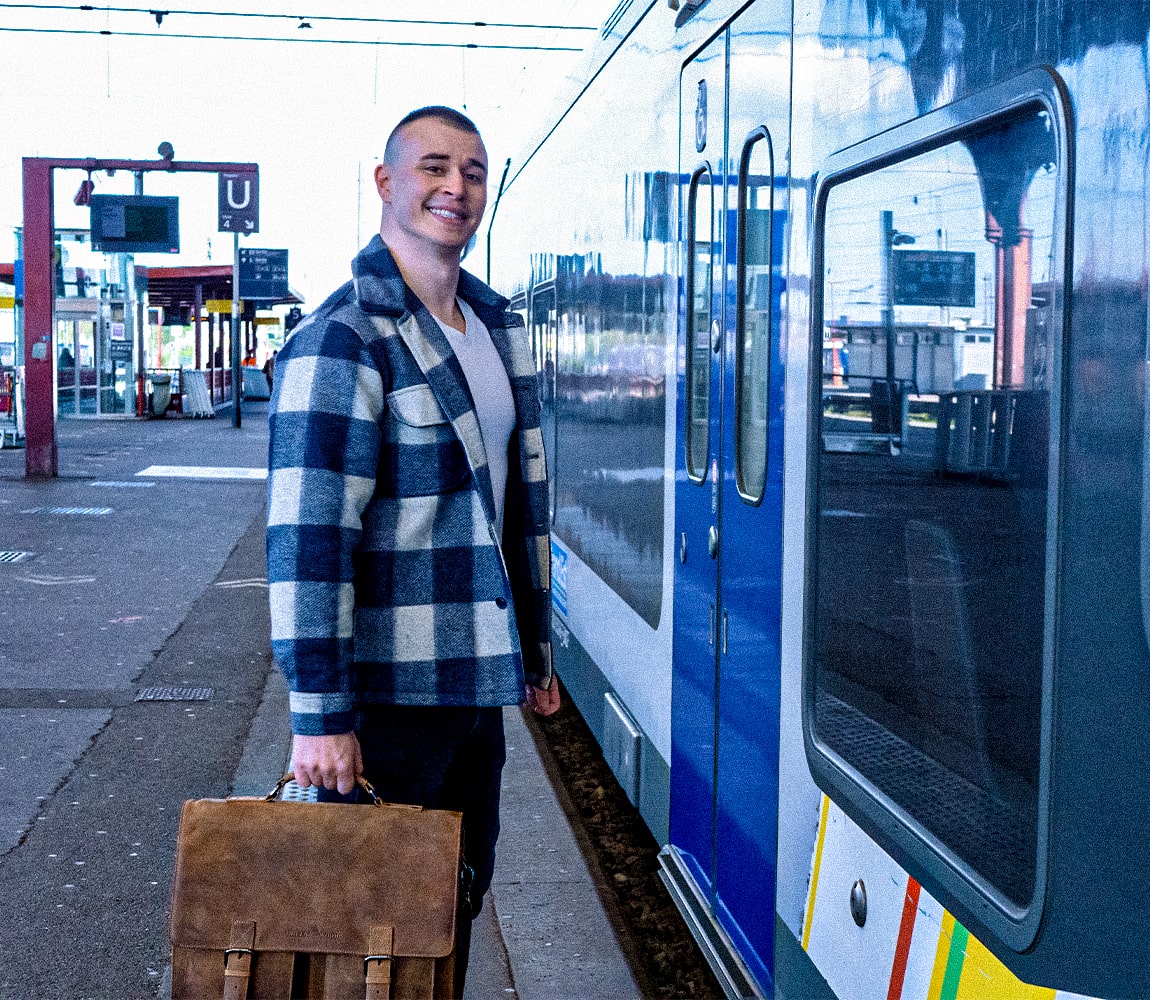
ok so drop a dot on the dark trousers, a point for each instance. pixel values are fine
(438, 758)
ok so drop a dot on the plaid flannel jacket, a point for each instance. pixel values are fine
(387, 583)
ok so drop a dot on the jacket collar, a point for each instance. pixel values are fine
(380, 289)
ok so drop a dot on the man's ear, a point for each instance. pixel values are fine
(383, 182)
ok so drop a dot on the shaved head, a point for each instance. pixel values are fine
(449, 116)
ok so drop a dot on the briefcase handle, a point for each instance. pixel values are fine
(290, 776)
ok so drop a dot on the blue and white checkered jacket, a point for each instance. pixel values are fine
(387, 582)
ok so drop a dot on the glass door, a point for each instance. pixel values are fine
(76, 370)
(117, 386)
(67, 370)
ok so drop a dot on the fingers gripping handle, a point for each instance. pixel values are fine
(290, 776)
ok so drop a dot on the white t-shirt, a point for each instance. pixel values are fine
(491, 390)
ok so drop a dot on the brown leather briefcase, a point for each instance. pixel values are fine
(301, 899)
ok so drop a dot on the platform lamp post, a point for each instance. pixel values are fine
(40, 446)
(891, 238)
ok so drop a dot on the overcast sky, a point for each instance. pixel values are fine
(313, 116)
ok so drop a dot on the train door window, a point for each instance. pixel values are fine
(931, 624)
(544, 332)
(753, 312)
(700, 277)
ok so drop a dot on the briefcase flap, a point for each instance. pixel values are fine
(316, 877)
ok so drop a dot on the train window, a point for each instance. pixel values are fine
(753, 312)
(544, 333)
(700, 273)
(930, 634)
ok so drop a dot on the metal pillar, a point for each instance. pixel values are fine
(40, 455)
(199, 306)
(212, 356)
(234, 334)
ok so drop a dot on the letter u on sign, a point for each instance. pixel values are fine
(232, 203)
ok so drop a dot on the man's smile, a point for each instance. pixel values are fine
(447, 213)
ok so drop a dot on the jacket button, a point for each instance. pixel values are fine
(501, 602)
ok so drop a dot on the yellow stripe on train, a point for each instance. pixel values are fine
(945, 961)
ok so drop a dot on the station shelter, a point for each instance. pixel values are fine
(190, 312)
(119, 327)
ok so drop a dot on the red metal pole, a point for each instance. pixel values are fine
(199, 315)
(40, 454)
(211, 347)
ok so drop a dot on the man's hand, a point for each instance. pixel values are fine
(544, 701)
(332, 762)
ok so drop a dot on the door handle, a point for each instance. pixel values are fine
(713, 541)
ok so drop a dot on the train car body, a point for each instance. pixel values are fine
(840, 309)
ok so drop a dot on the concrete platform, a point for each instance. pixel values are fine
(159, 582)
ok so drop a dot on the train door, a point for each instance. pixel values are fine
(725, 696)
(694, 683)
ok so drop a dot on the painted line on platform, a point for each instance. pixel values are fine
(56, 581)
(203, 472)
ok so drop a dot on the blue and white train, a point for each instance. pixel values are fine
(841, 309)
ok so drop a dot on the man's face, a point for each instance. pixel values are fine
(435, 191)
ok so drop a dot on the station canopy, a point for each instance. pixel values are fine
(174, 288)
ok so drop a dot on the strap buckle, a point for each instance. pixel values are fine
(374, 958)
(242, 967)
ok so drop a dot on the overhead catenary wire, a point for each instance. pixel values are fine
(154, 11)
(289, 39)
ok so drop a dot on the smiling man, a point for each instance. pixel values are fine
(407, 506)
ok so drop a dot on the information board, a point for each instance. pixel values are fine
(263, 274)
(122, 223)
(932, 278)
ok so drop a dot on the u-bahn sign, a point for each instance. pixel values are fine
(932, 278)
(239, 202)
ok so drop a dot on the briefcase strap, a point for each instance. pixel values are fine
(238, 960)
(377, 964)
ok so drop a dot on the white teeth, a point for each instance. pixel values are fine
(445, 214)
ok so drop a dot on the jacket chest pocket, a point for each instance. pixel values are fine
(421, 454)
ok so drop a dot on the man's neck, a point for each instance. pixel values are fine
(432, 276)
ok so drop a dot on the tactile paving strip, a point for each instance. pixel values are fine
(89, 511)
